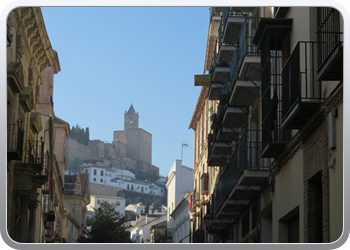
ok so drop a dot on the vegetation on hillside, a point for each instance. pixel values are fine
(81, 135)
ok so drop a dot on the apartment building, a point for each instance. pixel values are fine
(272, 138)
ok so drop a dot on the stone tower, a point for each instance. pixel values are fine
(138, 142)
(131, 119)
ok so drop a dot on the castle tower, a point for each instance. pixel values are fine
(131, 119)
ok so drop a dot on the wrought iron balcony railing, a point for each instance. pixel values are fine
(299, 77)
(246, 46)
(329, 34)
(227, 13)
(246, 156)
(234, 66)
(33, 151)
(15, 135)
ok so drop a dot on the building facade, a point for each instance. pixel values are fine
(179, 183)
(274, 144)
(31, 65)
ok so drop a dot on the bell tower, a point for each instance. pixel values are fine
(131, 119)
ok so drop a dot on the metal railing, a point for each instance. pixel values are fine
(227, 13)
(329, 35)
(33, 151)
(249, 151)
(246, 36)
(271, 94)
(299, 77)
(15, 135)
(234, 65)
(213, 12)
(246, 156)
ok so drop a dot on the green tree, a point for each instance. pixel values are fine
(159, 237)
(157, 204)
(107, 226)
(146, 207)
(75, 166)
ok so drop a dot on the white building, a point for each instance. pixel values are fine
(121, 178)
(97, 199)
(136, 208)
(181, 221)
(141, 231)
(179, 183)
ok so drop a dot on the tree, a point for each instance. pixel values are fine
(159, 237)
(157, 204)
(107, 226)
(75, 166)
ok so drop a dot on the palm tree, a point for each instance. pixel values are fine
(75, 166)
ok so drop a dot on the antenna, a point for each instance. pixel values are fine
(182, 146)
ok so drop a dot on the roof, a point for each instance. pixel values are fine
(57, 120)
(99, 189)
(131, 110)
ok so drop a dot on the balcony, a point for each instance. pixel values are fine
(232, 23)
(15, 135)
(235, 117)
(218, 69)
(226, 50)
(301, 92)
(242, 178)
(254, 170)
(214, 156)
(330, 45)
(272, 36)
(249, 55)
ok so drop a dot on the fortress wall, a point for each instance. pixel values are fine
(120, 149)
(98, 149)
(108, 150)
(74, 149)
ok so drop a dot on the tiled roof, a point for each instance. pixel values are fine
(57, 120)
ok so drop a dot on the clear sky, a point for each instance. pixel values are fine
(112, 57)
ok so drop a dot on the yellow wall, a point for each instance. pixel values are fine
(289, 193)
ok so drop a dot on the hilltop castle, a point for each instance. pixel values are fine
(130, 149)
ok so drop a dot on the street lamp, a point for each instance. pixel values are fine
(208, 219)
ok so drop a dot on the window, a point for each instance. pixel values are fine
(86, 171)
(94, 179)
(145, 188)
(117, 203)
(95, 172)
(101, 180)
(98, 201)
(128, 187)
(101, 172)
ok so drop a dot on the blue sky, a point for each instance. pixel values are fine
(111, 57)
